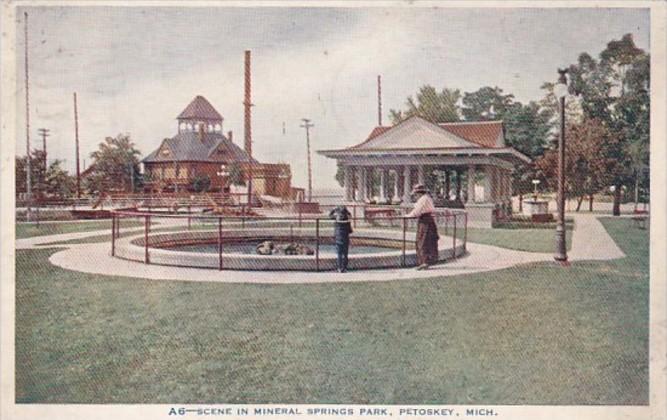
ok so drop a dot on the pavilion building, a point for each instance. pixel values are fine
(419, 151)
(200, 149)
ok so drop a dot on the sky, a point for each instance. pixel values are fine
(135, 69)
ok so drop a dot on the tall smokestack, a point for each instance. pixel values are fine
(247, 103)
(379, 101)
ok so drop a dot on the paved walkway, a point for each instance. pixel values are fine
(590, 242)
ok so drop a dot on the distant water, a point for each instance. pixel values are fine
(328, 196)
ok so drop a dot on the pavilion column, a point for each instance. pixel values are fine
(395, 195)
(471, 184)
(364, 184)
(488, 184)
(509, 186)
(448, 184)
(420, 174)
(357, 183)
(458, 185)
(347, 180)
(383, 185)
(406, 184)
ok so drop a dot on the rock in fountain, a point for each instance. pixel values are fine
(292, 248)
(265, 248)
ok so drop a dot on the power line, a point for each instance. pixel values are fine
(308, 125)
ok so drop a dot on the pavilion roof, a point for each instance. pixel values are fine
(193, 146)
(416, 132)
(417, 135)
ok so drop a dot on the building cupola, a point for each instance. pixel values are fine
(200, 116)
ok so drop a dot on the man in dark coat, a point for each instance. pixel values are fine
(427, 231)
(342, 231)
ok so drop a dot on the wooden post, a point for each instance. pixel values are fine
(404, 228)
(146, 227)
(354, 216)
(465, 232)
(219, 243)
(317, 244)
(454, 236)
(113, 234)
(76, 146)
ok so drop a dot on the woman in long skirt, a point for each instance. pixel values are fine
(427, 231)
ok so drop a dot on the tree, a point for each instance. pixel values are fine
(115, 166)
(59, 183)
(638, 152)
(588, 165)
(236, 174)
(486, 103)
(437, 107)
(615, 90)
(201, 183)
(37, 173)
(340, 174)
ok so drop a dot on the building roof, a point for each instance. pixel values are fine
(416, 132)
(200, 109)
(198, 147)
(417, 136)
(483, 133)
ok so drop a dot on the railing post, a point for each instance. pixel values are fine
(454, 235)
(404, 228)
(113, 234)
(354, 216)
(299, 205)
(465, 232)
(317, 244)
(219, 243)
(146, 225)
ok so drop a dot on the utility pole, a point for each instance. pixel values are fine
(44, 132)
(28, 186)
(76, 141)
(247, 127)
(307, 125)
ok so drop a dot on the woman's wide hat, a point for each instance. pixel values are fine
(419, 189)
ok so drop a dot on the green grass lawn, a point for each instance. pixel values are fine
(534, 334)
(532, 240)
(26, 230)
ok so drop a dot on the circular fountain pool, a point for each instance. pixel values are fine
(235, 249)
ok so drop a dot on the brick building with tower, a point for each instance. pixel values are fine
(200, 150)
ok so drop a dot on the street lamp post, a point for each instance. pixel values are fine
(536, 182)
(560, 90)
